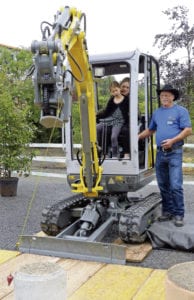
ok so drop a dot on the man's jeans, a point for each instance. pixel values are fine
(170, 181)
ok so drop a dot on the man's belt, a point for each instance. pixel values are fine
(159, 148)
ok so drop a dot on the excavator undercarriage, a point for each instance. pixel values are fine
(79, 221)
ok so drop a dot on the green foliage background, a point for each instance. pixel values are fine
(14, 64)
(16, 133)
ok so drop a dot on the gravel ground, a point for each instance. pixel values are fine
(22, 214)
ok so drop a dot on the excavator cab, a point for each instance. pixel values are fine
(121, 174)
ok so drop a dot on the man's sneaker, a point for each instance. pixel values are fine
(165, 217)
(179, 221)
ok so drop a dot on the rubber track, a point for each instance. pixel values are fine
(58, 216)
(136, 219)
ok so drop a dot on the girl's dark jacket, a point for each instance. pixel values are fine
(111, 107)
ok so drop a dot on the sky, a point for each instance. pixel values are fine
(112, 26)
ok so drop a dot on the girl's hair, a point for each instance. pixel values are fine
(126, 79)
(114, 84)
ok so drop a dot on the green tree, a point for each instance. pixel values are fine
(178, 72)
(16, 133)
(14, 64)
(103, 90)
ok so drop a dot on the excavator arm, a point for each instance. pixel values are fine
(66, 42)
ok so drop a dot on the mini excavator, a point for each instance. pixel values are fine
(105, 191)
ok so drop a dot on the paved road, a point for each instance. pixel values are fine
(22, 214)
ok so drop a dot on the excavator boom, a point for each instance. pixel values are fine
(67, 42)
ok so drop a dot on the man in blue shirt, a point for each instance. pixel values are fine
(172, 125)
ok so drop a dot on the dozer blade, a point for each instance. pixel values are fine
(74, 249)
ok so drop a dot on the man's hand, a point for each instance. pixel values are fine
(166, 144)
(144, 134)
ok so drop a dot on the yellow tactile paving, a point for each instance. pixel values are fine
(5, 255)
(113, 282)
(154, 287)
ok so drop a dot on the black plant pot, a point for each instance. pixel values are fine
(8, 186)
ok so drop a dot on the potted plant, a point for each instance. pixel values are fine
(16, 132)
